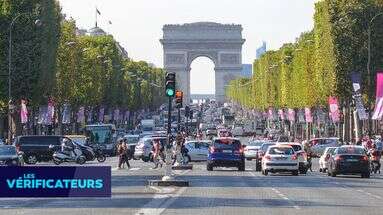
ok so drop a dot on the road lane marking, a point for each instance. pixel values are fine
(160, 203)
(281, 195)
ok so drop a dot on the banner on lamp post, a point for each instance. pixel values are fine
(357, 95)
(334, 109)
(308, 116)
(378, 112)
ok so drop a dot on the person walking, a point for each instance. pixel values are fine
(157, 159)
(120, 153)
(125, 156)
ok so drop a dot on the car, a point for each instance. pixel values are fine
(36, 148)
(10, 157)
(349, 160)
(252, 148)
(237, 131)
(301, 154)
(226, 152)
(280, 158)
(323, 160)
(143, 149)
(198, 150)
(318, 145)
(212, 131)
(259, 155)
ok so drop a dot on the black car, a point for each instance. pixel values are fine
(36, 148)
(349, 160)
(10, 157)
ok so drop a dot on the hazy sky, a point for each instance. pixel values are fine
(137, 25)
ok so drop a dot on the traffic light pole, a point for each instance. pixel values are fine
(179, 120)
(168, 158)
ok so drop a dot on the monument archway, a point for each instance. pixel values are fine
(222, 43)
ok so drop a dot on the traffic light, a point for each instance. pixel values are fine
(170, 84)
(179, 95)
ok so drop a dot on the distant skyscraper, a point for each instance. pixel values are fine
(247, 70)
(261, 50)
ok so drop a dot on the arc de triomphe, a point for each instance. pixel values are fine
(222, 43)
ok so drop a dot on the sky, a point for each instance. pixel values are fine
(137, 25)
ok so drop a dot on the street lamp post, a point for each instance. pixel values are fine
(369, 71)
(10, 106)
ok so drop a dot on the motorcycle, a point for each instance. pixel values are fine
(98, 153)
(375, 161)
(74, 155)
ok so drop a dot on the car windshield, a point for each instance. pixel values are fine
(132, 139)
(281, 151)
(255, 143)
(79, 140)
(351, 150)
(100, 134)
(227, 143)
(7, 150)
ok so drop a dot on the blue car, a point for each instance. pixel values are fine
(226, 152)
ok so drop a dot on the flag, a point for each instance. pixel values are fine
(23, 112)
(334, 108)
(81, 115)
(281, 114)
(50, 113)
(357, 95)
(308, 116)
(116, 115)
(99, 13)
(66, 114)
(101, 115)
(378, 112)
(301, 116)
(291, 115)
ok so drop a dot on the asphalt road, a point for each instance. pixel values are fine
(223, 191)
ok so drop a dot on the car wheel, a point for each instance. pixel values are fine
(265, 172)
(365, 175)
(209, 167)
(295, 173)
(324, 170)
(31, 159)
(145, 159)
(320, 169)
(303, 171)
(81, 160)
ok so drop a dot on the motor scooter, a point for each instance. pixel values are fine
(75, 155)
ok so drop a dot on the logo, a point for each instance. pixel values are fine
(68, 181)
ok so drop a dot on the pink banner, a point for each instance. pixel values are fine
(291, 115)
(334, 109)
(23, 112)
(378, 112)
(308, 116)
(81, 115)
(281, 114)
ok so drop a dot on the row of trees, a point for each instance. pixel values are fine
(52, 61)
(318, 65)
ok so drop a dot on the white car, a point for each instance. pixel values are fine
(237, 131)
(198, 150)
(252, 148)
(301, 154)
(281, 158)
(323, 160)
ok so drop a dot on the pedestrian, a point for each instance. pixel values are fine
(120, 153)
(157, 159)
(125, 156)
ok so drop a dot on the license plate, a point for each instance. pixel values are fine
(352, 160)
(226, 151)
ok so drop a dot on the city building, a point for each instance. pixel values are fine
(247, 70)
(261, 50)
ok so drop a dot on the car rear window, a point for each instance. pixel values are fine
(297, 147)
(227, 143)
(255, 143)
(281, 151)
(350, 150)
(266, 146)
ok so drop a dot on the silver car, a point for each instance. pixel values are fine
(318, 145)
(252, 148)
(198, 149)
